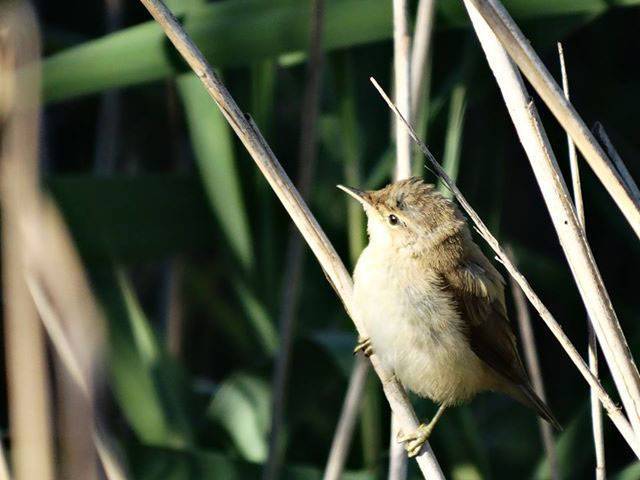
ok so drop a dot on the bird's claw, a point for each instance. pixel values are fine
(414, 441)
(364, 346)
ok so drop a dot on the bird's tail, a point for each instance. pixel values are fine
(528, 397)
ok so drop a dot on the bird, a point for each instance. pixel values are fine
(433, 305)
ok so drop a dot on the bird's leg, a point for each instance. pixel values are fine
(414, 441)
(364, 346)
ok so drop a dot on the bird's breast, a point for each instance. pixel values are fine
(414, 326)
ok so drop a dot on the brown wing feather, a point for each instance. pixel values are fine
(478, 290)
(479, 294)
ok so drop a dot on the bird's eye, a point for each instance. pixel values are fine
(393, 220)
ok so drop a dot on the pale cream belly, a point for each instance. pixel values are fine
(417, 333)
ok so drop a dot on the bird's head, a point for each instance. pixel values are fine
(408, 215)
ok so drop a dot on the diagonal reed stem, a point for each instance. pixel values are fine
(315, 237)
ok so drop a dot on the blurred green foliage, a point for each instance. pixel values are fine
(184, 190)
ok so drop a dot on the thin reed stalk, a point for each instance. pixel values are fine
(41, 250)
(570, 233)
(592, 345)
(619, 420)
(293, 271)
(397, 455)
(402, 84)
(260, 151)
(32, 447)
(420, 55)
(522, 53)
(79, 355)
(36, 249)
(421, 59)
(344, 430)
(533, 367)
(402, 170)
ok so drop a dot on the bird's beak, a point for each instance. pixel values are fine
(360, 195)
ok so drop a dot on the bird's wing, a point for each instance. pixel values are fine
(478, 290)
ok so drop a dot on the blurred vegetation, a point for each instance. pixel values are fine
(185, 208)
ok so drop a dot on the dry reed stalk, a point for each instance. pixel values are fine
(402, 82)
(75, 325)
(402, 76)
(592, 346)
(69, 314)
(334, 269)
(570, 233)
(29, 407)
(78, 359)
(420, 53)
(533, 367)
(46, 252)
(534, 70)
(293, 270)
(33, 239)
(347, 420)
(619, 420)
(397, 454)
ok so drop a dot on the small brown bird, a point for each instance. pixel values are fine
(433, 304)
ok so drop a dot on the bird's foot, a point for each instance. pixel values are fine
(414, 441)
(364, 346)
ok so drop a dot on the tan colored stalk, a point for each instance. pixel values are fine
(402, 76)
(397, 454)
(344, 430)
(619, 420)
(40, 251)
(570, 233)
(32, 451)
(315, 237)
(293, 270)
(78, 358)
(533, 367)
(420, 53)
(534, 70)
(592, 348)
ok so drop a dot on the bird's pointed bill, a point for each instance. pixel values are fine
(360, 195)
